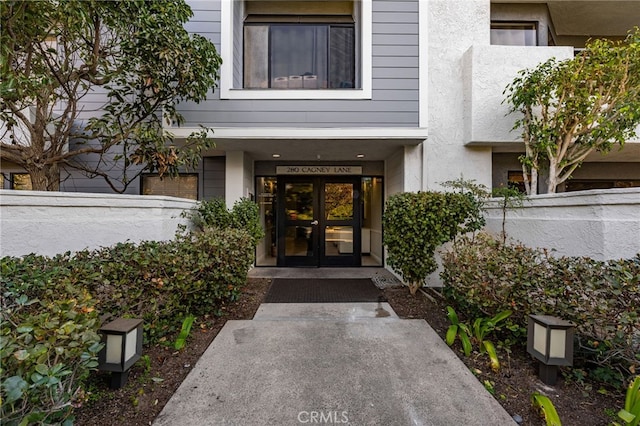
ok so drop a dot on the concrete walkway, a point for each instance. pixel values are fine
(341, 363)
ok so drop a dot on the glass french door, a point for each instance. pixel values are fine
(319, 221)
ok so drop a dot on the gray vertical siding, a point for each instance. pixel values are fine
(395, 97)
(213, 176)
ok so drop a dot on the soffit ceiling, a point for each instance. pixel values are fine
(590, 17)
(313, 150)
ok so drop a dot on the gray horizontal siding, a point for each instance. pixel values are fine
(395, 97)
(319, 118)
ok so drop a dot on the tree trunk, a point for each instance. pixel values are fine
(530, 176)
(44, 178)
(552, 180)
(534, 182)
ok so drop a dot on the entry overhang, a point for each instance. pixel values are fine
(418, 133)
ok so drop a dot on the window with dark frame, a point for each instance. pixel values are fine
(183, 186)
(514, 33)
(316, 54)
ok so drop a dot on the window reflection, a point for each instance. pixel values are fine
(514, 33)
(338, 201)
(299, 201)
(338, 240)
(267, 250)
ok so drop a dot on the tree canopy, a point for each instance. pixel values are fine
(100, 77)
(574, 107)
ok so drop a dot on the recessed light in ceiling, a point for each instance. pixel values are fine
(275, 155)
(360, 156)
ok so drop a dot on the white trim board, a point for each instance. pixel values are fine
(305, 133)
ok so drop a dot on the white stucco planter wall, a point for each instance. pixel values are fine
(48, 223)
(601, 224)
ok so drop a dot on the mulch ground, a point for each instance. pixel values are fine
(152, 383)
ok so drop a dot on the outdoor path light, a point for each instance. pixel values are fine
(550, 341)
(122, 340)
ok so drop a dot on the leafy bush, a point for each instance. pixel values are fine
(416, 224)
(243, 215)
(50, 306)
(162, 282)
(484, 277)
(211, 213)
(48, 341)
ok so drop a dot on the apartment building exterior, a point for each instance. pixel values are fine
(326, 108)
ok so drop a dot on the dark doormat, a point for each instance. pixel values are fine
(290, 290)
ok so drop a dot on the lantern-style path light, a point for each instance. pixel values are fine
(550, 341)
(122, 340)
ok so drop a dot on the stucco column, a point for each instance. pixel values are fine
(413, 168)
(234, 177)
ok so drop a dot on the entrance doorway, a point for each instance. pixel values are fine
(319, 221)
(348, 211)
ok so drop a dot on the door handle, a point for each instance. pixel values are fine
(314, 222)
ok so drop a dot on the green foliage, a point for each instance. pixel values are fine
(511, 199)
(161, 281)
(547, 409)
(481, 328)
(211, 213)
(416, 224)
(48, 341)
(630, 414)
(50, 306)
(574, 107)
(244, 214)
(56, 53)
(459, 329)
(484, 277)
(181, 340)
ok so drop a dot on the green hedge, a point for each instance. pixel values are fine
(482, 277)
(48, 340)
(50, 308)
(162, 282)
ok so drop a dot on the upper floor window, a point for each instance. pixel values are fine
(514, 33)
(296, 49)
(299, 55)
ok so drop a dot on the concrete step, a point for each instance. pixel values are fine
(325, 311)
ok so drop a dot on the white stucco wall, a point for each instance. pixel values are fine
(453, 27)
(238, 176)
(487, 72)
(48, 223)
(602, 224)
